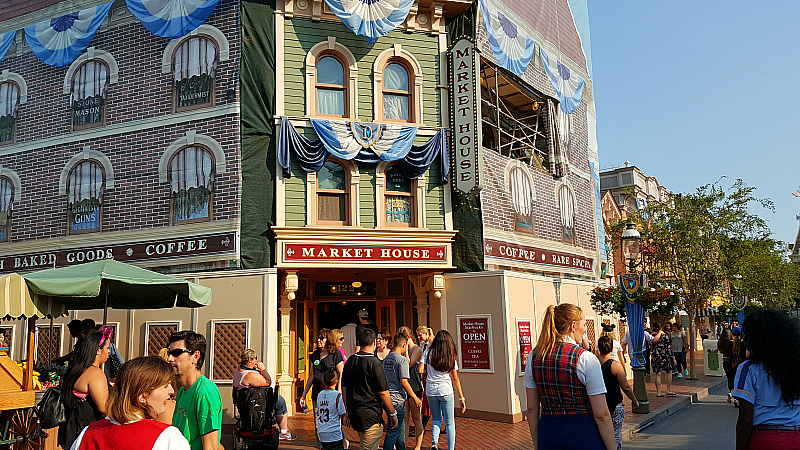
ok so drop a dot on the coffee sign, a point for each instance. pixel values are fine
(465, 113)
(533, 255)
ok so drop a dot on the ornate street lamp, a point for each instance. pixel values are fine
(631, 242)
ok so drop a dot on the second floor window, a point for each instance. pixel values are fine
(396, 93)
(331, 91)
(6, 197)
(89, 84)
(332, 201)
(566, 205)
(85, 190)
(193, 69)
(9, 103)
(398, 198)
(522, 197)
(191, 176)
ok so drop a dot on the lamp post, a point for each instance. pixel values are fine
(631, 242)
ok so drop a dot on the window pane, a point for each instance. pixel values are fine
(9, 101)
(330, 101)
(331, 177)
(395, 77)
(192, 203)
(88, 93)
(331, 207)
(193, 69)
(330, 71)
(398, 209)
(395, 107)
(396, 181)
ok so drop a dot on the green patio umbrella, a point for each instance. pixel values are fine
(107, 282)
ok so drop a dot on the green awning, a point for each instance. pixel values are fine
(84, 286)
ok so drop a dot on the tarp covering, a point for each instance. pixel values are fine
(5, 42)
(58, 41)
(601, 230)
(171, 18)
(257, 97)
(568, 85)
(85, 286)
(367, 143)
(16, 301)
(371, 18)
(511, 46)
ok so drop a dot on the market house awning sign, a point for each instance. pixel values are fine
(533, 255)
(465, 113)
(201, 245)
(364, 253)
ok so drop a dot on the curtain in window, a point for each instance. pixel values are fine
(6, 196)
(567, 207)
(395, 78)
(565, 134)
(58, 41)
(85, 191)
(330, 101)
(521, 197)
(89, 85)
(171, 18)
(193, 69)
(330, 86)
(395, 107)
(192, 179)
(9, 101)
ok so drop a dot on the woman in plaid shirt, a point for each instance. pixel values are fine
(567, 380)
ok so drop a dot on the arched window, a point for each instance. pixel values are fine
(193, 70)
(331, 89)
(6, 197)
(566, 204)
(397, 95)
(89, 85)
(522, 197)
(85, 197)
(398, 199)
(332, 194)
(9, 104)
(191, 177)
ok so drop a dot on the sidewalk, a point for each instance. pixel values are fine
(482, 434)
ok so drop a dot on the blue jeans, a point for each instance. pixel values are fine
(396, 437)
(443, 407)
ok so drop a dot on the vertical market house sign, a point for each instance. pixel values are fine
(465, 112)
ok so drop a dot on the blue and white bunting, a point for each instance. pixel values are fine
(5, 43)
(568, 85)
(171, 18)
(58, 41)
(345, 139)
(371, 18)
(511, 46)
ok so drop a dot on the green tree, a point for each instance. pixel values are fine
(761, 270)
(687, 241)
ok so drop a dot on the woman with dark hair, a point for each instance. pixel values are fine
(662, 358)
(326, 356)
(725, 346)
(439, 362)
(768, 383)
(383, 344)
(141, 394)
(567, 380)
(414, 355)
(616, 383)
(84, 389)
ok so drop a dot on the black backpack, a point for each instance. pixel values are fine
(51, 409)
(256, 408)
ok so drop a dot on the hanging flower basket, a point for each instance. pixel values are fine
(610, 300)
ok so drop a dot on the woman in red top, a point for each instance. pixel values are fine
(141, 393)
(568, 382)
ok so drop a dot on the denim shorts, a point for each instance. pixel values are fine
(280, 407)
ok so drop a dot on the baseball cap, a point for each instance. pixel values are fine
(364, 314)
(736, 331)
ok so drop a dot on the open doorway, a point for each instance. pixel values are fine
(337, 314)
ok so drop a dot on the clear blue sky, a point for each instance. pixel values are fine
(690, 91)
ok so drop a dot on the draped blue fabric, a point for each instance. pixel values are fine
(311, 154)
(346, 139)
(171, 18)
(740, 315)
(371, 18)
(568, 85)
(5, 43)
(511, 46)
(58, 41)
(635, 314)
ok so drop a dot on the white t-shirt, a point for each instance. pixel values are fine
(589, 369)
(327, 413)
(437, 383)
(169, 439)
(615, 351)
(627, 341)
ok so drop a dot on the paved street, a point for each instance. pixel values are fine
(708, 424)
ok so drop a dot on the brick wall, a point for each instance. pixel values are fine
(138, 200)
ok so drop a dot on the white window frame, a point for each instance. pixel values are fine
(60, 327)
(210, 359)
(150, 323)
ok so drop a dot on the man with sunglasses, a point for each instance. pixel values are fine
(198, 404)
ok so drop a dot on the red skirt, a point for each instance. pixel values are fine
(426, 409)
(765, 439)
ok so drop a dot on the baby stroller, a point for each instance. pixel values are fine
(256, 427)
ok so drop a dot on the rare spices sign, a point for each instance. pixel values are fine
(525, 341)
(533, 255)
(465, 112)
(474, 334)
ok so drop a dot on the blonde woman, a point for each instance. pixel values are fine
(414, 355)
(339, 338)
(425, 336)
(565, 383)
(140, 394)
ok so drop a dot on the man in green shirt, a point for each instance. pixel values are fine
(198, 404)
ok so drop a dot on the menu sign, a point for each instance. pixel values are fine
(525, 341)
(137, 251)
(524, 253)
(475, 337)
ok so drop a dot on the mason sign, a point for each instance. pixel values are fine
(465, 113)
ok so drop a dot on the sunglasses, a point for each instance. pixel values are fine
(321, 338)
(178, 352)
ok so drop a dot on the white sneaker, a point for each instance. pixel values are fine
(730, 397)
